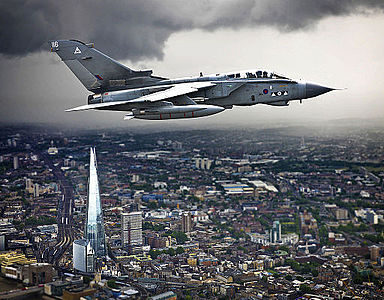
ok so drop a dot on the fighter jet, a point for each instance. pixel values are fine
(116, 87)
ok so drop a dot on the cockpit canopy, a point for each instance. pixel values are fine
(255, 74)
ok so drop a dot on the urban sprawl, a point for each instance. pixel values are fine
(278, 213)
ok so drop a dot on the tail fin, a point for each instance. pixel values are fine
(96, 71)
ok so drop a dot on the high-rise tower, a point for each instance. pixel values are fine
(275, 232)
(186, 222)
(15, 162)
(94, 228)
(83, 256)
(131, 229)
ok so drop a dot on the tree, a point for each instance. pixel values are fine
(171, 252)
(86, 279)
(180, 250)
(25, 202)
(181, 237)
(374, 238)
(284, 248)
(152, 205)
(112, 284)
(41, 220)
(315, 272)
(154, 253)
(305, 288)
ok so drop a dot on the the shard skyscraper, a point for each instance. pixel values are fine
(94, 228)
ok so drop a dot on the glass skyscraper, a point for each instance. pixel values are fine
(94, 228)
(83, 256)
(275, 233)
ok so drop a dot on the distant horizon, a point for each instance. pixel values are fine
(167, 126)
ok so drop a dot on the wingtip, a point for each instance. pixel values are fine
(76, 108)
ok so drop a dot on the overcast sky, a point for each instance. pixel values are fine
(333, 43)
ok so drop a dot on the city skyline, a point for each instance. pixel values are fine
(218, 212)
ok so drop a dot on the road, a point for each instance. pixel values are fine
(31, 292)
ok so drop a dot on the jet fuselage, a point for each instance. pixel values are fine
(119, 88)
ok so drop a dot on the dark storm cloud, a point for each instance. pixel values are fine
(139, 29)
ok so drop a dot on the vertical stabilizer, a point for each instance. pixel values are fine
(95, 70)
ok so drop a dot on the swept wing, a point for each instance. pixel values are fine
(174, 91)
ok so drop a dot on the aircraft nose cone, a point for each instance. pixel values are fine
(313, 90)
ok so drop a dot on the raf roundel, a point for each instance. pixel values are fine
(265, 91)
